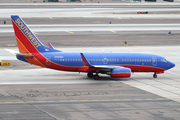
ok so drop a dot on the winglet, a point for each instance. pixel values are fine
(85, 61)
(50, 45)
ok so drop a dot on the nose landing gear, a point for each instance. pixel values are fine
(154, 75)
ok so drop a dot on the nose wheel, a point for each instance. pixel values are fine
(154, 75)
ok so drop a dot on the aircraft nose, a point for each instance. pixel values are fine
(170, 64)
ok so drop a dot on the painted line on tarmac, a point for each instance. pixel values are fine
(69, 32)
(35, 33)
(51, 17)
(113, 31)
(119, 18)
(95, 100)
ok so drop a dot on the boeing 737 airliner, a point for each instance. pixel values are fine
(117, 65)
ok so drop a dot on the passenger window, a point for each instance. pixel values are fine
(117, 59)
(112, 60)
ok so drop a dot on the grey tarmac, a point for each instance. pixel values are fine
(30, 92)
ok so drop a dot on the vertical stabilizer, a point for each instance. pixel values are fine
(26, 39)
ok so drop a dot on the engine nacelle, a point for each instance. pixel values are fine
(121, 72)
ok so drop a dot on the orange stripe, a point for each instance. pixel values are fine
(33, 60)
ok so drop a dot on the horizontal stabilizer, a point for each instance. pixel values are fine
(19, 54)
(25, 55)
(12, 51)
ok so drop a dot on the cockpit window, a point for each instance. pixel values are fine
(163, 59)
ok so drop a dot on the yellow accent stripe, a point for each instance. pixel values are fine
(29, 52)
(31, 43)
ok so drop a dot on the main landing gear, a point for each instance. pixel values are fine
(90, 75)
(154, 75)
(96, 76)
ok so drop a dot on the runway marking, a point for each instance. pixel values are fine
(137, 99)
(0, 61)
(69, 32)
(82, 4)
(95, 100)
(119, 18)
(113, 31)
(35, 33)
(35, 4)
(84, 100)
(128, 4)
(51, 17)
(171, 4)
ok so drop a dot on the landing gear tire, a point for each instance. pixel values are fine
(90, 75)
(96, 77)
(155, 76)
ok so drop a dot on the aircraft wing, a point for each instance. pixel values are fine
(101, 67)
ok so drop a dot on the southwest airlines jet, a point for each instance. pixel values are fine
(117, 65)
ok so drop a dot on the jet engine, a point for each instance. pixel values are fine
(121, 72)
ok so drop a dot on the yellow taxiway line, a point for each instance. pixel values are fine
(95, 100)
(113, 31)
(69, 32)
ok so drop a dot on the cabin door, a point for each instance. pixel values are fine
(48, 60)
